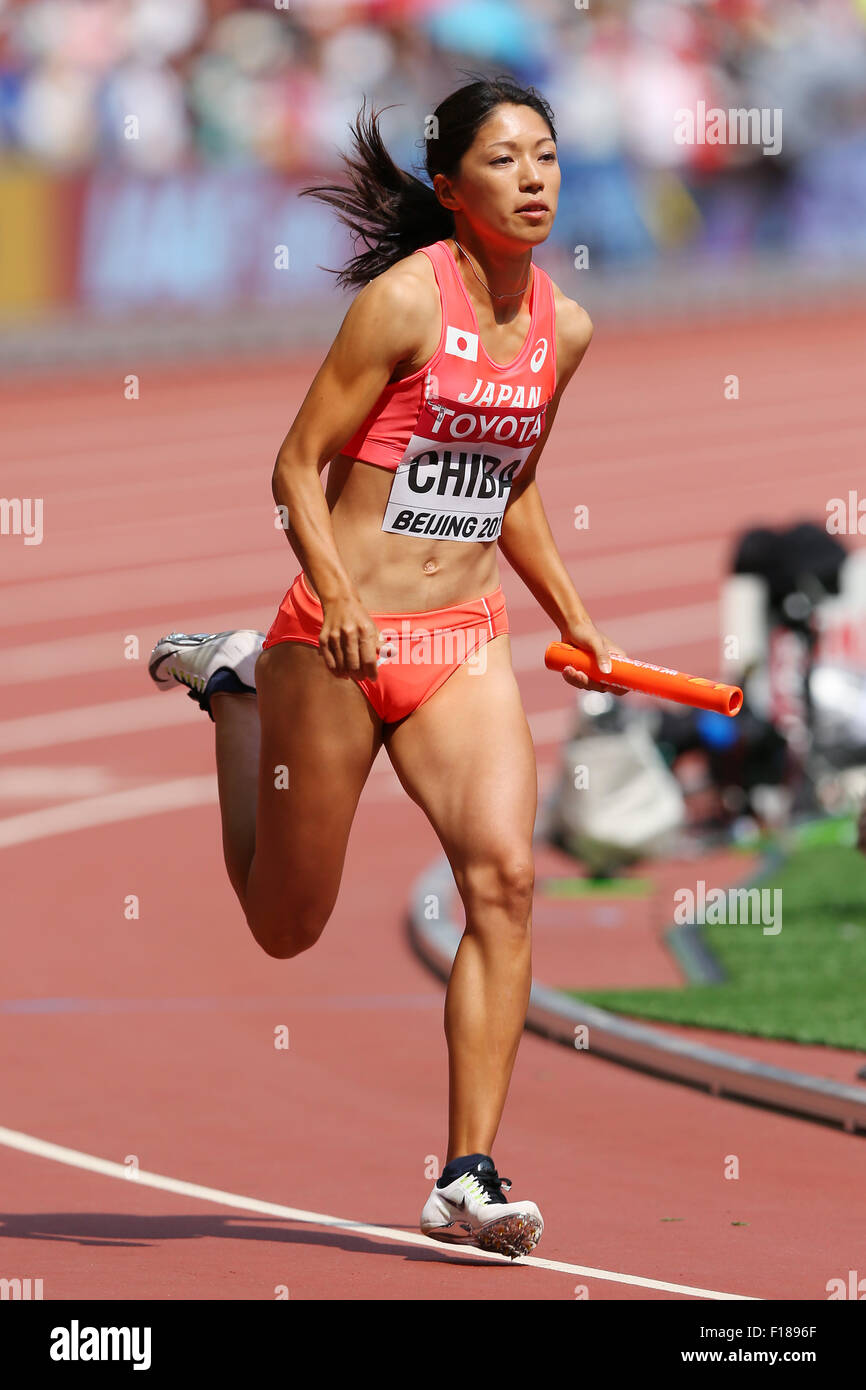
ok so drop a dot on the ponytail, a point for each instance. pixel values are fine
(391, 211)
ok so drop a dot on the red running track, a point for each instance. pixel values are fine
(149, 1041)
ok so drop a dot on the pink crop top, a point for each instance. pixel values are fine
(457, 431)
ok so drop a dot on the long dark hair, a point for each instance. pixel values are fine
(393, 212)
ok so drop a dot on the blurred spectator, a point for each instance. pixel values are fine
(221, 80)
(159, 86)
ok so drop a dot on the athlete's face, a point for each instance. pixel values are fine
(511, 163)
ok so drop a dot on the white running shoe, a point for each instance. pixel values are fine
(207, 662)
(472, 1210)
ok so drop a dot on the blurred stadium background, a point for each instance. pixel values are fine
(151, 152)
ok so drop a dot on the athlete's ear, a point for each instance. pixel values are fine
(445, 193)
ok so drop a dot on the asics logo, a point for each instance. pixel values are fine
(537, 359)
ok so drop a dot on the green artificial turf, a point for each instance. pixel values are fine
(597, 887)
(807, 983)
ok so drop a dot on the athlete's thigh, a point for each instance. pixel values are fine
(466, 757)
(319, 737)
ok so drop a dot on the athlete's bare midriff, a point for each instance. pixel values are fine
(399, 574)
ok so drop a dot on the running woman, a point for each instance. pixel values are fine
(432, 407)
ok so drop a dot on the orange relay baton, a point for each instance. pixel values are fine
(649, 679)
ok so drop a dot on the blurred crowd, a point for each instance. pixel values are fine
(274, 83)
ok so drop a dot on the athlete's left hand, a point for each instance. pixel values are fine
(587, 637)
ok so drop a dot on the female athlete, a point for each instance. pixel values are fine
(432, 407)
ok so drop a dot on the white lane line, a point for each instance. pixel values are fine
(729, 453)
(658, 567)
(91, 811)
(93, 721)
(44, 781)
(644, 634)
(665, 629)
(653, 415)
(550, 727)
(149, 712)
(74, 1158)
(145, 586)
(636, 570)
(95, 590)
(151, 799)
(104, 651)
(32, 445)
(183, 431)
(83, 550)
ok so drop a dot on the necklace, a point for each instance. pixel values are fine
(486, 286)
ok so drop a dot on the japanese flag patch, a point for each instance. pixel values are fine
(460, 343)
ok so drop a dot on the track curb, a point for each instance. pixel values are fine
(558, 1016)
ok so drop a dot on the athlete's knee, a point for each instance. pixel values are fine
(499, 886)
(285, 933)
(284, 941)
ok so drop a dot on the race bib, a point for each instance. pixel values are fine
(455, 477)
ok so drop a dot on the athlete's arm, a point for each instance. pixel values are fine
(385, 325)
(526, 540)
